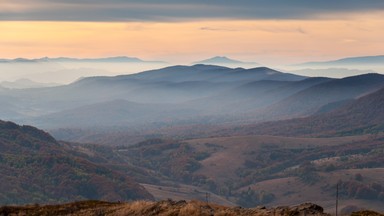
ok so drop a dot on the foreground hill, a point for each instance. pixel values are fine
(35, 168)
(168, 207)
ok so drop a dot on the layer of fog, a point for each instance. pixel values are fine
(68, 72)
(332, 71)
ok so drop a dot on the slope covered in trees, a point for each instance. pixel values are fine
(35, 168)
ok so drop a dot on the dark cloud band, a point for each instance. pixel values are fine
(172, 10)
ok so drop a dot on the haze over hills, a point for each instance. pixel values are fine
(184, 131)
(359, 116)
(227, 62)
(312, 99)
(65, 70)
(185, 106)
(25, 83)
(330, 72)
(176, 84)
(183, 95)
(341, 67)
(354, 61)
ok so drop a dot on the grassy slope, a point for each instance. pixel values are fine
(169, 207)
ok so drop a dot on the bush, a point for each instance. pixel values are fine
(252, 198)
(358, 177)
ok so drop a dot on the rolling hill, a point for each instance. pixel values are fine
(310, 100)
(35, 168)
(201, 72)
(201, 128)
(265, 170)
(242, 111)
(179, 98)
(360, 116)
(172, 86)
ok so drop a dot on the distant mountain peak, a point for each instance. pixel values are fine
(220, 60)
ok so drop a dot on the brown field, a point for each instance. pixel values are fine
(231, 153)
(291, 190)
(231, 150)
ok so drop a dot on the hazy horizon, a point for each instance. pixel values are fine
(270, 33)
(69, 71)
(276, 34)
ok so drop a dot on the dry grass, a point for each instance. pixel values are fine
(77, 208)
(185, 192)
(366, 213)
(161, 208)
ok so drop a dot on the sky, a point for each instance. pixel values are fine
(264, 31)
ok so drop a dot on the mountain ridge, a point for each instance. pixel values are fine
(221, 59)
(225, 61)
(362, 60)
(359, 116)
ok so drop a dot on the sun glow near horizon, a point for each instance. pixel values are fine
(265, 41)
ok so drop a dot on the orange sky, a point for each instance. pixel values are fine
(264, 41)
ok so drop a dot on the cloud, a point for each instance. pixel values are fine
(172, 10)
(269, 29)
(206, 28)
(282, 30)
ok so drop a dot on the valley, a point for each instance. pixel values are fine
(249, 107)
(247, 137)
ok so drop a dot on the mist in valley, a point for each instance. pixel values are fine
(191, 107)
(193, 120)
